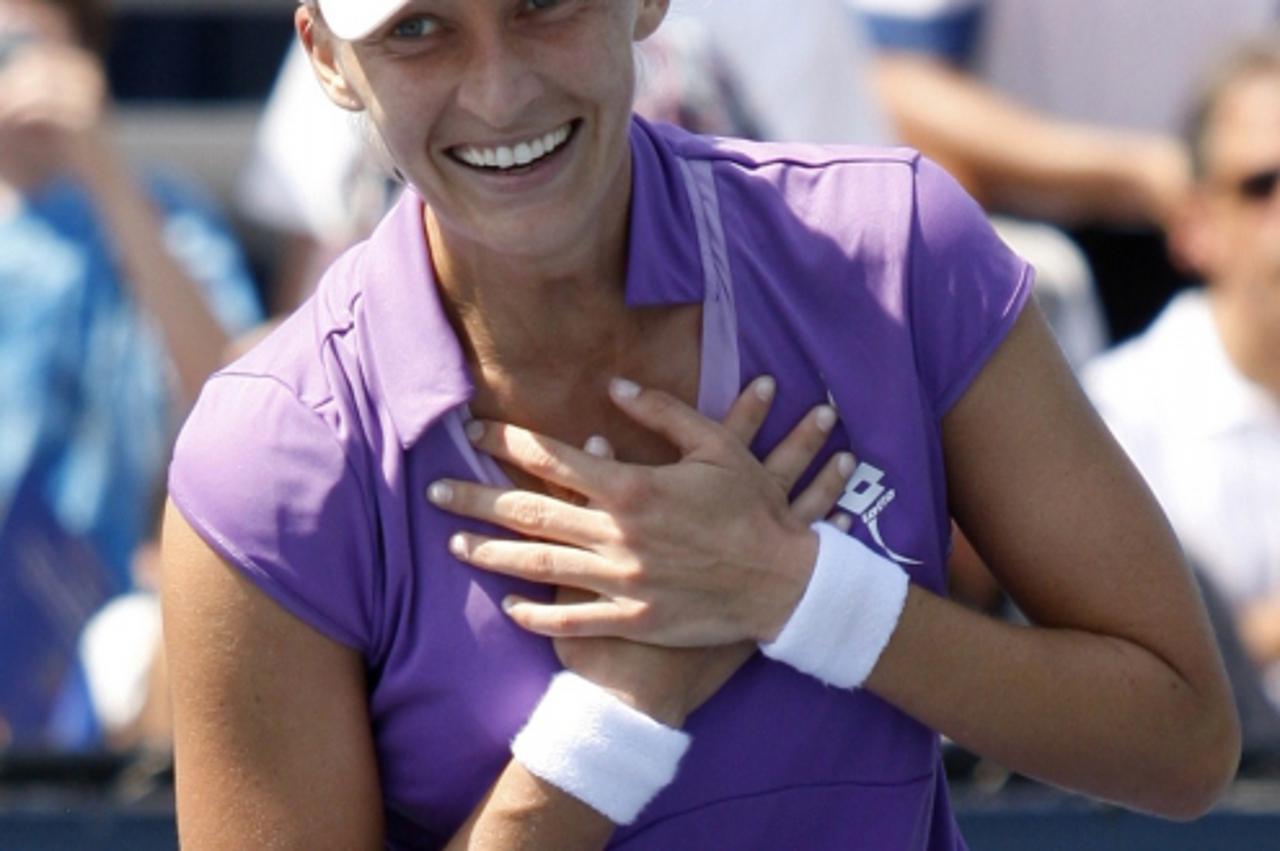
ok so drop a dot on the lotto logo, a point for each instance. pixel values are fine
(865, 498)
(863, 489)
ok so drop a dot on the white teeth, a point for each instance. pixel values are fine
(517, 156)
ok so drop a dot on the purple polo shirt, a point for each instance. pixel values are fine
(866, 276)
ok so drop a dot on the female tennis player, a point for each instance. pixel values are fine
(520, 533)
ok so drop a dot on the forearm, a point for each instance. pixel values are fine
(1093, 713)
(157, 281)
(1015, 158)
(522, 811)
(589, 757)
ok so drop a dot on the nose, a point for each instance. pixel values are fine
(499, 81)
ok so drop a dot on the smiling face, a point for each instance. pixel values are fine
(510, 116)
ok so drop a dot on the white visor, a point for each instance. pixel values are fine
(352, 20)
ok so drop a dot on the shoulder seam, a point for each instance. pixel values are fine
(277, 380)
(908, 158)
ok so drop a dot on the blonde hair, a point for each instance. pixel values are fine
(1255, 57)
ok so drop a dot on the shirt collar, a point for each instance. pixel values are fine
(412, 352)
(664, 258)
(1224, 400)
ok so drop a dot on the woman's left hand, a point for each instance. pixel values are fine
(702, 552)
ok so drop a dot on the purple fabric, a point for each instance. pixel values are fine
(866, 274)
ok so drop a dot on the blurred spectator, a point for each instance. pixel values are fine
(683, 79)
(1196, 399)
(314, 178)
(120, 294)
(802, 76)
(1064, 109)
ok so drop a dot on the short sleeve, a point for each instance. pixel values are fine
(946, 29)
(966, 286)
(262, 478)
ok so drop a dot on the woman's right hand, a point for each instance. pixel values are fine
(668, 683)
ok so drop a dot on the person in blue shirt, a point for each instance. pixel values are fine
(120, 295)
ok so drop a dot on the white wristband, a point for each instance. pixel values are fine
(585, 741)
(847, 614)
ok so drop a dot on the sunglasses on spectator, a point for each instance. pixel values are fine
(1257, 187)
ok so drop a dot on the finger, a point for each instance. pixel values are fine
(841, 521)
(534, 561)
(567, 620)
(818, 499)
(750, 409)
(545, 457)
(598, 447)
(790, 458)
(686, 429)
(530, 514)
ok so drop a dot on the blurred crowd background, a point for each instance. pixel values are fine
(172, 181)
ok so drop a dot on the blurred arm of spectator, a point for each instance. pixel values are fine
(1010, 155)
(55, 115)
(1259, 624)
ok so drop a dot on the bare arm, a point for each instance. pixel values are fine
(158, 282)
(271, 732)
(1117, 690)
(271, 724)
(1012, 157)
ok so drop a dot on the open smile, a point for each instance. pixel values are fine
(516, 157)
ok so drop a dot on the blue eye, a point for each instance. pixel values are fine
(418, 27)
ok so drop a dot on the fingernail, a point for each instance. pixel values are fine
(508, 603)
(826, 418)
(474, 430)
(843, 522)
(846, 464)
(765, 388)
(624, 390)
(440, 493)
(597, 446)
(458, 545)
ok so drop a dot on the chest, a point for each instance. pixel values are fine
(570, 402)
(459, 678)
